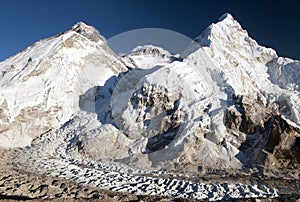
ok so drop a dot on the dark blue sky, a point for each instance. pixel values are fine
(274, 24)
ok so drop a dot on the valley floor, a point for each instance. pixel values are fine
(20, 185)
(17, 184)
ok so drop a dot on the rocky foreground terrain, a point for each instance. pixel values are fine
(21, 185)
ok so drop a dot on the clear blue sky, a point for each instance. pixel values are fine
(272, 23)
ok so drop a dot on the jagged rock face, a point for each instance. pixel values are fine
(158, 112)
(248, 115)
(266, 131)
(283, 144)
(151, 101)
(152, 113)
(40, 87)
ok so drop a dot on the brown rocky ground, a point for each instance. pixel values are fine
(19, 185)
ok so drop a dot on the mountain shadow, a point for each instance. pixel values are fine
(98, 99)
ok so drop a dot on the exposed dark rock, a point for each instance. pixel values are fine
(283, 143)
(159, 113)
(233, 119)
(270, 139)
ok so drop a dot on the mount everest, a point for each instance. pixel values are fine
(225, 103)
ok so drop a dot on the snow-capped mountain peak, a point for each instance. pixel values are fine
(40, 87)
(235, 54)
(225, 33)
(147, 56)
(88, 31)
(228, 33)
(151, 50)
(226, 16)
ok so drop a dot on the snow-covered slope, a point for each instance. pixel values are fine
(214, 108)
(243, 83)
(229, 103)
(40, 86)
(242, 67)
